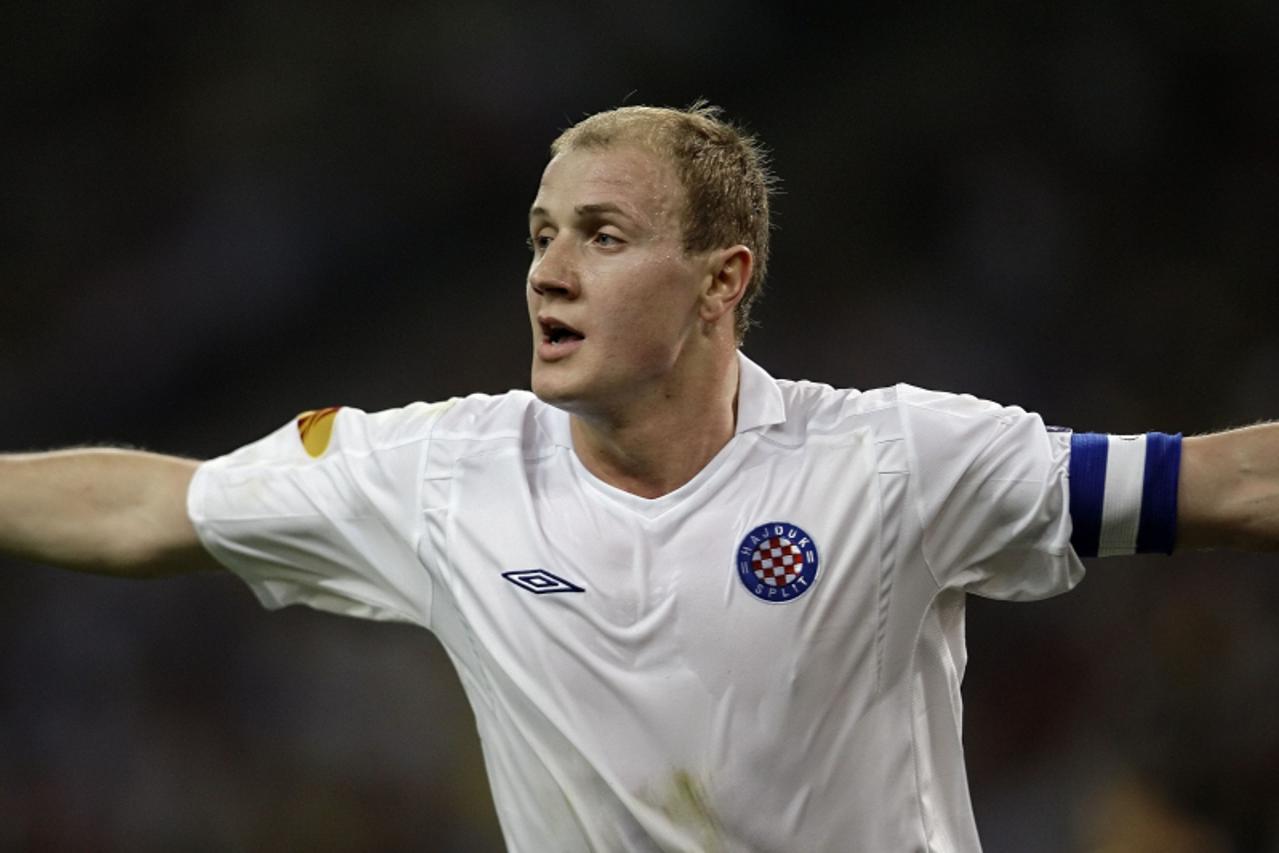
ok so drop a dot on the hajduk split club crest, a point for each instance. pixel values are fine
(777, 562)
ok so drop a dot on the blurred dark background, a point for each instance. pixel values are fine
(215, 215)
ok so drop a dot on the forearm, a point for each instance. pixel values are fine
(119, 512)
(1228, 496)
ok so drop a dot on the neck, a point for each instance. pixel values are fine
(661, 444)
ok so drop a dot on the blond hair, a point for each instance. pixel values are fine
(723, 169)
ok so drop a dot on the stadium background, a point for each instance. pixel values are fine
(217, 215)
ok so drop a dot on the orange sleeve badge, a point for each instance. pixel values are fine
(316, 429)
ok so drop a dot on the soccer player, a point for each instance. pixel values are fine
(694, 607)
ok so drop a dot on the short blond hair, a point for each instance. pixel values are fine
(723, 169)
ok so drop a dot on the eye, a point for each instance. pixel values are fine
(537, 243)
(606, 240)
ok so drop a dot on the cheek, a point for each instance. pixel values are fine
(660, 289)
(654, 320)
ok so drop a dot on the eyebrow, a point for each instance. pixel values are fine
(582, 211)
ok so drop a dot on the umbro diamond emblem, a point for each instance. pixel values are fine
(540, 581)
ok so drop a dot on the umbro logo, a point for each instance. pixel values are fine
(540, 581)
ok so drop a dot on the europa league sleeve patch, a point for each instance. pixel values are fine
(316, 429)
(777, 562)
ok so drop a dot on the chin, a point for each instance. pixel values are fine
(553, 390)
(568, 393)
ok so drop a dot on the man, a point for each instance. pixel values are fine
(694, 607)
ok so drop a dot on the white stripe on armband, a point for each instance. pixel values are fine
(1121, 504)
(1123, 493)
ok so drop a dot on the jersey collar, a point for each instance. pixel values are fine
(759, 400)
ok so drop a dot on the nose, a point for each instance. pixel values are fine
(554, 273)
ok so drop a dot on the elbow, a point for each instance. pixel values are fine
(150, 553)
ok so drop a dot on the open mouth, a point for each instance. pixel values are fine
(555, 332)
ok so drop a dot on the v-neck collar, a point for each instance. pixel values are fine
(759, 404)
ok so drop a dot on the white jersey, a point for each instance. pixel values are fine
(766, 659)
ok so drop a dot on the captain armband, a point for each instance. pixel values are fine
(1123, 493)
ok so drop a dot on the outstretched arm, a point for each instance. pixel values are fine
(1228, 495)
(117, 512)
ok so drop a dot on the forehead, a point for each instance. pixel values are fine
(639, 181)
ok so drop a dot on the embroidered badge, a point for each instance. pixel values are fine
(316, 429)
(777, 562)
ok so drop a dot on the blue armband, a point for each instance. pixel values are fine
(1123, 493)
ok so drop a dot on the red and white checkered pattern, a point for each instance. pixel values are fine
(777, 561)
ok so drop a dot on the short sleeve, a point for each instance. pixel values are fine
(991, 487)
(325, 512)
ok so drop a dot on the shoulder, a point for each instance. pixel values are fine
(476, 416)
(346, 431)
(482, 417)
(814, 407)
(947, 404)
(516, 422)
(822, 406)
(900, 412)
(955, 419)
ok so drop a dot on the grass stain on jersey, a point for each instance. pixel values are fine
(684, 801)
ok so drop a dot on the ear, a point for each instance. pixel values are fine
(728, 274)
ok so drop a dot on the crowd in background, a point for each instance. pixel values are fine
(217, 215)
